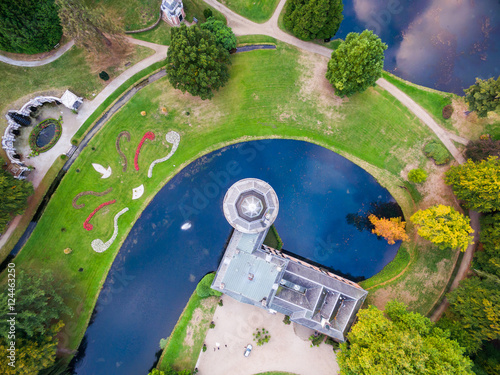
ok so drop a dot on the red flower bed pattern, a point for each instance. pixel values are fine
(86, 223)
(148, 135)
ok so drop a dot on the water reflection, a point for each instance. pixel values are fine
(442, 44)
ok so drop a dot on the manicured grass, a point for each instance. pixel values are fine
(179, 355)
(33, 203)
(195, 8)
(113, 97)
(135, 14)
(260, 101)
(159, 35)
(255, 39)
(70, 71)
(332, 44)
(258, 11)
(432, 101)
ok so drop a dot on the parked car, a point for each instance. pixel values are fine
(248, 350)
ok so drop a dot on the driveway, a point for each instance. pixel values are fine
(235, 323)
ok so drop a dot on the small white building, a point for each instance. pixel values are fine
(173, 12)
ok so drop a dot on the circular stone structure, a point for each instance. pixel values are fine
(251, 205)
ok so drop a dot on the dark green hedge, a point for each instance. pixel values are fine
(36, 131)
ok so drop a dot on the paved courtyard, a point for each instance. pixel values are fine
(235, 323)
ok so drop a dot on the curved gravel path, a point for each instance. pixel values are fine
(41, 62)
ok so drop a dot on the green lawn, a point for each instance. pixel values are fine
(177, 354)
(135, 14)
(260, 101)
(431, 100)
(70, 71)
(258, 11)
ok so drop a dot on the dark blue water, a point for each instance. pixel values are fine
(159, 264)
(444, 44)
(46, 135)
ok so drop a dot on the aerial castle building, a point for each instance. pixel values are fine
(259, 275)
(173, 12)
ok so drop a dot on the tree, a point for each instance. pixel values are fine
(32, 355)
(488, 260)
(87, 26)
(392, 229)
(444, 226)
(29, 26)
(39, 302)
(195, 63)
(475, 307)
(483, 96)
(203, 288)
(313, 19)
(224, 35)
(482, 148)
(477, 184)
(401, 343)
(13, 197)
(356, 64)
(417, 175)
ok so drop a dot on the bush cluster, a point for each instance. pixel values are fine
(36, 131)
(447, 111)
(417, 176)
(203, 289)
(437, 151)
(261, 336)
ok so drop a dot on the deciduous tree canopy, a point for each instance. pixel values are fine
(29, 26)
(13, 197)
(313, 19)
(444, 226)
(356, 64)
(392, 229)
(224, 35)
(477, 184)
(475, 311)
(401, 343)
(195, 63)
(483, 96)
(482, 149)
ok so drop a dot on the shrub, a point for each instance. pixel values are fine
(74, 142)
(207, 13)
(63, 157)
(447, 111)
(316, 339)
(482, 148)
(261, 336)
(203, 289)
(417, 176)
(286, 320)
(212, 324)
(221, 303)
(438, 152)
(104, 76)
(332, 342)
(163, 343)
(204, 348)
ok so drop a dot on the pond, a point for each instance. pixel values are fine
(159, 264)
(46, 135)
(443, 44)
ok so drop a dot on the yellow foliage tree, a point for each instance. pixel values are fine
(444, 226)
(392, 229)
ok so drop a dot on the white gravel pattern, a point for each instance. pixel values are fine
(172, 137)
(100, 246)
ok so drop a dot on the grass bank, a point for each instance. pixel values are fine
(372, 129)
(186, 340)
(135, 14)
(431, 100)
(257, 11)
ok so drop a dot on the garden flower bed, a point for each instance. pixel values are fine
(35, 133)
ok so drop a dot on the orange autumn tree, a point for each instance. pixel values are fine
(392, 229)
